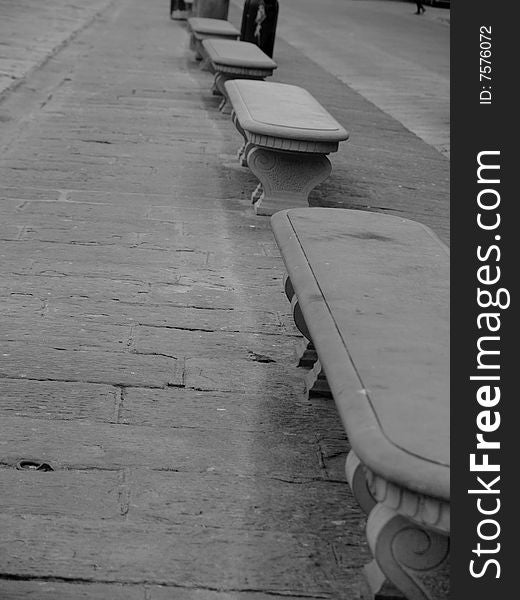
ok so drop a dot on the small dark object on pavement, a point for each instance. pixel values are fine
(33, 465)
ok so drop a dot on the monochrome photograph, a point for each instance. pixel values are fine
(225, 357)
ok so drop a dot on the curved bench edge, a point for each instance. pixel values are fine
(251, 125)
(373, 449)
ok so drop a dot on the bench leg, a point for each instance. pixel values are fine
(218, 84)
(239, 127)
(194, 47)
(288, 287)
(246, 146)
(257, 193)
(243, 152)
(205, 65)
(287, 178)
(413, 558)
(299, 321)
(316, 382)
(224, 106)
(357, 480)
(200, 55)
(306, 354)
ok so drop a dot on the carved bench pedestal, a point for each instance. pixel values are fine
(412, 557)
(408, 535)
(287, 178)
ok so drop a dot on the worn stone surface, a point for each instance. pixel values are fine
(173, 555)
(26, 44)
(58, 400)
(146, 342)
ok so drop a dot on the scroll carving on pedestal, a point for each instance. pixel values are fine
(287, 178)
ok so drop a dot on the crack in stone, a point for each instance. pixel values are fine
(96, 141)
(117, 469)
(88, 381)
(205, 330)
(185, 328)
(141, 353)
(162, 583)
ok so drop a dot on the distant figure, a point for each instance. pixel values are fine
(420, 8)
(261, 16)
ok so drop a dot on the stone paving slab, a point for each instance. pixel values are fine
(97, 494)
(59, 400)
(78, 494)
(172, 555)
(283, 411)
(109, 446)
(37, 361)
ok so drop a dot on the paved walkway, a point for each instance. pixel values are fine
(147, 353)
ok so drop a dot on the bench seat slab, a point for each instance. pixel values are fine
(239, 55)
(284, 117)
(372, 288)
(217, 27)
(373, 293)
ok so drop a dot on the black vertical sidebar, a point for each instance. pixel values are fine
(484, 326)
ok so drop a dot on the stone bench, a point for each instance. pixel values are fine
(287, 135)
(202, 28)
(371, 292)
(235, 60)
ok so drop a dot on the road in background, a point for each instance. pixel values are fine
(394, 58)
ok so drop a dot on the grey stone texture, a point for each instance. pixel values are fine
(147, 351)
